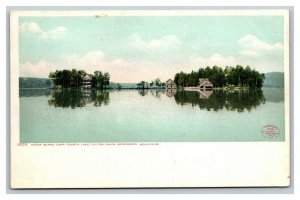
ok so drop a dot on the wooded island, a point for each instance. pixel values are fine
(76, 78)
(231, 76)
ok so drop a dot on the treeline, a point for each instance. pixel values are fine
(34, 82)
(237, 76)
(156, 83)
(73, 78)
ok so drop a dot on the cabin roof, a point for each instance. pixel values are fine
(170, 81)
(205, 82)
(88, 77)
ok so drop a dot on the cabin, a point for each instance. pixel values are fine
(87, 81)
(170, 84)
(205, 84)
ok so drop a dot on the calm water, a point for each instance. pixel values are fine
(148, 116)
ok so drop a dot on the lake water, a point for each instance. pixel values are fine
(64, 116)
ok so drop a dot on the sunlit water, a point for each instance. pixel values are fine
(63, 116)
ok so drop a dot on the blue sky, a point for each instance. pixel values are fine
(135, 48)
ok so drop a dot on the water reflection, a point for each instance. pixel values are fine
(240, 101)
(170, 92)
(156, 93)
(205, 94)
(78, 98)
(143, 92)
(274, 94)
(34, 92)
(218, 99)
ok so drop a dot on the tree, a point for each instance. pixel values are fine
(156, 82)
(182, 79)
(248, 79)
(152, 83)
(141, 85)
(192, 79)
(102, 79)
(99, 79)
(217, 76)
(239, 70)
(106, 79)
(66, 78)
(201, 73)
(176, 78)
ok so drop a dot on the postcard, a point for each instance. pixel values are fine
(150, 98)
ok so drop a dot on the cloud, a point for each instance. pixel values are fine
(253, 47)
(56, 33)
(214, 59)
(93, 59)
(166, 42)
(30, 27)
(264, 64)
(264, 56)
(256, 53)
(40, 69)
(119, 68)
(33, 28)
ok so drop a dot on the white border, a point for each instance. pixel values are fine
(241, 12)
(196, 192)
(205, 164)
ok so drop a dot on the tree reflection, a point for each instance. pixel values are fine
(239, 101)
(100, 98)
(143, 92)
(156, 93)
(66, 98)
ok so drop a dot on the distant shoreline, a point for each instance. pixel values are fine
(273, 80)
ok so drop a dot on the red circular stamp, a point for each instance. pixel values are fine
(270, 131)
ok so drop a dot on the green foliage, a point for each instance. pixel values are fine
(67, 78)
(157, 83)
(73, 78)
(101, 79)
(237, 76)
(142, 85)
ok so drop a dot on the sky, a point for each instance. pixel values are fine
(135, 48)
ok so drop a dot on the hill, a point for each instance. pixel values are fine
(122, 85)
(274, 80)
(29, 82)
